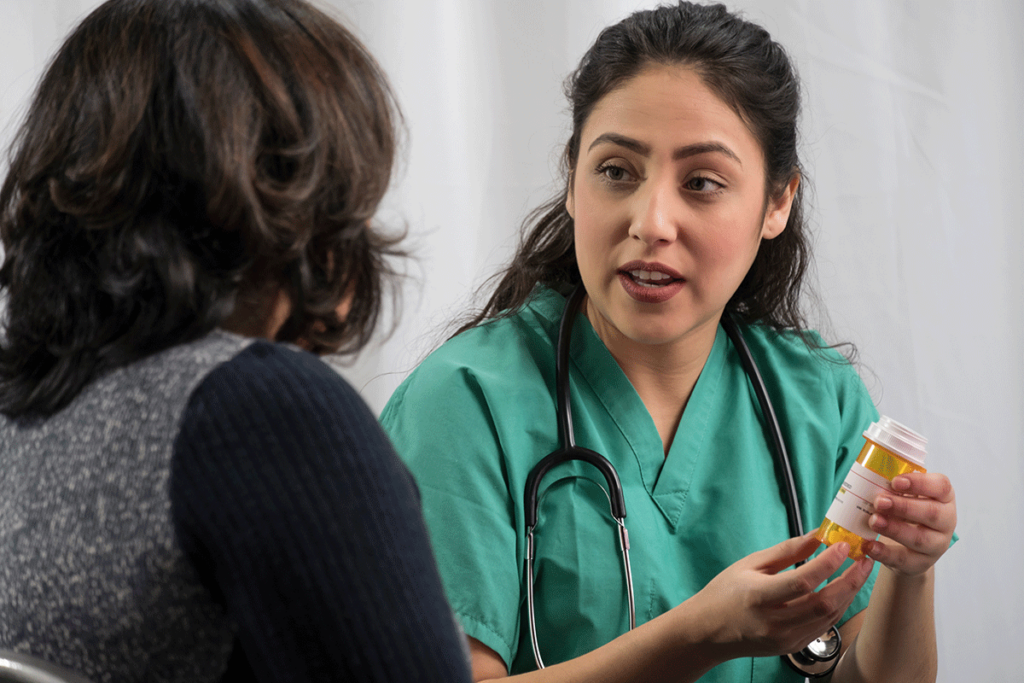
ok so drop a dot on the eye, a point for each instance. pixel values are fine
(703, 184)
(613, 172)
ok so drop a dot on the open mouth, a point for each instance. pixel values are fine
(650, 278)
(650, 283)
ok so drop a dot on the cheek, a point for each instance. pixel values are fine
(593, 231)
(587, 247)
(728, 254)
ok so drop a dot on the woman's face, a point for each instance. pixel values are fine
(668, 201)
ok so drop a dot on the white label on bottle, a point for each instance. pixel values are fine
(854, 503)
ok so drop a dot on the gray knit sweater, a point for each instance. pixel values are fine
(223, 510)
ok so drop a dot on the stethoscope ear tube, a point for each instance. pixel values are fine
(570, 451)
(532, 493)
(528, 580)
(530, 512)
(572, 306)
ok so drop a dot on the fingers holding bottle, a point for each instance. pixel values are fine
(916, 522)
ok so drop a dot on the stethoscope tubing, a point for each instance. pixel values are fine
(785, 469)
(570, 451)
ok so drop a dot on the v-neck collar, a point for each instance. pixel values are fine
(692, 434)
(667, 479)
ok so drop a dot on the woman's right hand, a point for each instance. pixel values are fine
(754, 608)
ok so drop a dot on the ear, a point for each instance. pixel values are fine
(777, 214)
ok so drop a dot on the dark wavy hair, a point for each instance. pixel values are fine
(182, 159)
(740, 63)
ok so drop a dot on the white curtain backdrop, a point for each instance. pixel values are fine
(913, 146)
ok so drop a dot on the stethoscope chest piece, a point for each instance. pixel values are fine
(820, 657)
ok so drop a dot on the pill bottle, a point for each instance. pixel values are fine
(890, 449)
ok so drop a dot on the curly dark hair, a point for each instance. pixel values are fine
(180, 160)
(738, 61)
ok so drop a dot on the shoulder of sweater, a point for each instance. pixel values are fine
(282, 379)
(277, 413)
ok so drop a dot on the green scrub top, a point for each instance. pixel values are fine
(476, 416)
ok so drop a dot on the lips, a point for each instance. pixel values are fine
(650, 282)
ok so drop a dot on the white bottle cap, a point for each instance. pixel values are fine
(903, 441)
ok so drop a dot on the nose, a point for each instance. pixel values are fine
(654, 220)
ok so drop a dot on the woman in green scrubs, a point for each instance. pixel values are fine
(682, 201)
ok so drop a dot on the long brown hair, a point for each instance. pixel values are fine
(738, 61)
(177, 156)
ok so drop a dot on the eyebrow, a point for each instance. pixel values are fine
(677, 154)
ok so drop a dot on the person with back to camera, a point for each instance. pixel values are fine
(183, 496)
(682, 204)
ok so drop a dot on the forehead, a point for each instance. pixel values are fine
(669, 104)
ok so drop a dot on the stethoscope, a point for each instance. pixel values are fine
(817, 659)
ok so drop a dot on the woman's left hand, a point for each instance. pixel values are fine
(916, 522)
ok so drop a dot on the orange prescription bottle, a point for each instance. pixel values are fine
(890, 449)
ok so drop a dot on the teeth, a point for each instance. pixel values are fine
(648, 277)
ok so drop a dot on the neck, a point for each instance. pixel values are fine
(663, 375)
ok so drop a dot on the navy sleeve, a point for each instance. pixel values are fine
(293, 506)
